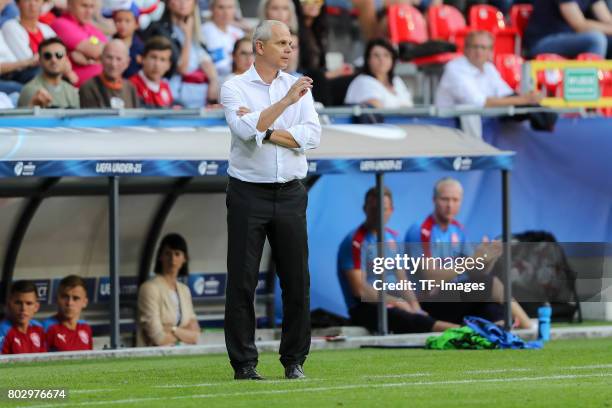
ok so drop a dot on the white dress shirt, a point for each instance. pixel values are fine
(464, 84)
(365, 87)
(17, 38)
(252, 160)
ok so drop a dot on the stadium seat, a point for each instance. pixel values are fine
(510, 68)
(407, 24)
(445, 22)
(489, 18)
(550, 79)
(519, 17)
(486, 17)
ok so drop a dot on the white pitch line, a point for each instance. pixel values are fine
(170, 386)
(398, 375)
(587, 367)
(497, 371)
(323, 389)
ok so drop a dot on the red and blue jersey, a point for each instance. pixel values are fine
(435, 242)
(62, 338)
(358, 251)
(13, 341)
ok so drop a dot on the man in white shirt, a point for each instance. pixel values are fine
(473, 80)
(273, 121)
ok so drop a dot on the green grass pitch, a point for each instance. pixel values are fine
(566, 373)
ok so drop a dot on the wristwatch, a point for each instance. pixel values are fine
(268, 134)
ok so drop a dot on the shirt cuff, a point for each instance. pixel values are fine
(259, 137)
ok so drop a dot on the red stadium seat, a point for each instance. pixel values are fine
(510, 68)
(489, 18)
(445, 22)
(519, 17)
(407, 24)
(550, 79)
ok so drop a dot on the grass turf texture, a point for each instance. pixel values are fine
(566, 373)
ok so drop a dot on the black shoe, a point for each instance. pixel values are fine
(247, 373)
(294, 372)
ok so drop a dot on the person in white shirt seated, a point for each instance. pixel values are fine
(377, 86)
(472, 80)
(220, 35)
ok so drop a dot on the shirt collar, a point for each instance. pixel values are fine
(253, 76)
(149, 84)
(471, 68)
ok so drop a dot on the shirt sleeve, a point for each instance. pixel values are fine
(9, 12)
(413, 246)
(456, 89)
(17, 39)
(361, 90)
(501, 87)
(69, 33)
(307, 133)
(346, 255)
(149, 318)
(244, 127)
(403, 93)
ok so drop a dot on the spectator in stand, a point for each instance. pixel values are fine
(194, 82)
(65, 331)
(378, 86)
(12, 69)
(294, 59)
(242, 57)
(473, 80)
(109, 89)
(47, 89)
(569, 28)
(165, 309)
(82, 39)
(25, 33)
(221, 35)
(19, 332)
(8, 11)
(313, 48)
(126, 23)
(281, 10)
(151, 87)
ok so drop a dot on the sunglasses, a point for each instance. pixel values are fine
(48, 55)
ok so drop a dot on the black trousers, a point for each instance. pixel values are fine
(276, 211)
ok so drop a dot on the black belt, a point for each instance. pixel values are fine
(271, 186)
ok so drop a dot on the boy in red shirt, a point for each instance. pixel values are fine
(19, 333)
(65, 331)
(151, 87)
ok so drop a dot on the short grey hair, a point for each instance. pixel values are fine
(444, 181)
(263, 31)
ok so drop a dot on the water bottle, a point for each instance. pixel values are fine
(544, 313)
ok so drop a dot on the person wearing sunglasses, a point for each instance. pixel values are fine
(47, 89)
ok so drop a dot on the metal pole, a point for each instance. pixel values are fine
(506, 234)
(380, 252)
(113, 250)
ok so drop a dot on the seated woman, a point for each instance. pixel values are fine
(377, 85)
(281, 10)
(165, 309)
(194, 81)
(82, 39)
(569, 28)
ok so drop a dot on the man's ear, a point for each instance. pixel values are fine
(259, 47)
(139, 59)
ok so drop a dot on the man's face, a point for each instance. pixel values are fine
(223, 12)
(22, 307)
(277, 50)
(53, 59)
(371, 209)
(71, 301)
(448, 202)
(83, 10)
(479, 50)
(115, 60)
(156, 63)
(30, 8)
